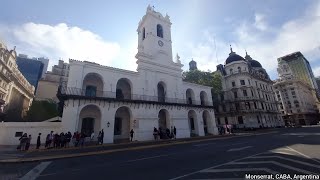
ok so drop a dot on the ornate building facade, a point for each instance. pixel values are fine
(298, 98)
(116, 100)
(16, 93)
(247, 99)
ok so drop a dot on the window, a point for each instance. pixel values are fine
(293, 93)
(256, 84)
(239, 69)
(255, 105)
(233, 84)
(224, 108)
(242, 82)
(240, 120)
(249, 82)
(91, 91)
(237, 106)
(247, 104)
(218, 120)
(143, 33)
(222, 97)
(244, 92)
(262, 106)
(235, 94)
(231, 71)
(159, 31)
(226, 120)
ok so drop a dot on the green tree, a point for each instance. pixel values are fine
(42, 110)
(206, 78)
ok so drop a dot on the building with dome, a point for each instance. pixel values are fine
(247, 99)
(116, 100)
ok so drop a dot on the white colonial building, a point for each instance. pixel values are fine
(116, 100)
(248, 99)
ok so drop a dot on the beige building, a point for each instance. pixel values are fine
(298, 98)
(16, 93)
(48, 86)
(247, 100)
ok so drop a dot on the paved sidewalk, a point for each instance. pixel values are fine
(10, 155)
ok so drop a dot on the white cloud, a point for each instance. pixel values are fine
(60, 41)
(266, 43)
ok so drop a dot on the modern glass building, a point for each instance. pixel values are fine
(31, 69)
(300, 68)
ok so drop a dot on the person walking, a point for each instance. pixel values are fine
(155, 133)
(175, 132)
(131, 134)
(23, 141)
(28, 141)
(102, 136)
(39, 141)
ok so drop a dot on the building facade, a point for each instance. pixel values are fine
(116, 100)
(247, 99)
(298, 103)
(16, 93)
(31, 69)
(300, 69)
(48, 86)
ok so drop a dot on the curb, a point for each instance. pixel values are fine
(44, 158)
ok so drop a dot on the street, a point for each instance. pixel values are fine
(282, 151)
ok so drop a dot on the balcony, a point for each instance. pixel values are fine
(73, 93)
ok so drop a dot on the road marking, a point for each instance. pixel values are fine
(240, 170)
(303, 154)
(276, 163)
(280, 152)
(195, 172)
(239, 149)
(292, 160)
(198, 145)
(152, 157)
(301, 134)
(36, 171)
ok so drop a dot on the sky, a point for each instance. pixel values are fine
(105, 31)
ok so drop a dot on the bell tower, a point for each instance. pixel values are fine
(154, 41)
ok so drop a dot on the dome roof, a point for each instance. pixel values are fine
(255, 63)
(234, 57)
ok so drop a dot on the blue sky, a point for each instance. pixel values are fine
(105, 31)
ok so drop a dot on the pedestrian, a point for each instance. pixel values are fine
(51, 138)
(175, 132)
(82, 136)
(102, 136)
(68, 139)
(28, 141)
(131, 134)
(92, 136)
(23, 141)
(47, 141)
(39, 141)
(155, 133)
(168, 132)
(77, 138)
(99, 138)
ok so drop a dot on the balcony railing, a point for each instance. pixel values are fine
(70, 91)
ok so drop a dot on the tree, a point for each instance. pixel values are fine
(42, 110)
(206, 78)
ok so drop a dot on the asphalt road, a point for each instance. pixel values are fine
(287, 151)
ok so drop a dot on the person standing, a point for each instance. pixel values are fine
(99, 138)
(28, 142)
(102, 136)
(175, 132)
(23, 141)
(131, 134)
(155, 133)
(38, 141)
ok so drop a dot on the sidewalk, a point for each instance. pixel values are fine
(11, 155)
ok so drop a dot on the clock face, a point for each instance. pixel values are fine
(160, 43)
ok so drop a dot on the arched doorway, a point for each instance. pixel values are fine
(161, 92)
(190, 96)
(92, 85)
(193, 123)
(203, 98)
(122, 124)
(123, 89)
(90, 120)
(207, 125)
(163, 122)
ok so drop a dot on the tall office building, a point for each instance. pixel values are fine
(45, 62)
(31, 69)
(300, 68)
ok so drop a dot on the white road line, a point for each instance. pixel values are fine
(292, 160)
(204, 144)
(152, 157)
(303, 154)
(276, 163)
(195, 172)
(240, 170)
(280, 152)
(239, 149)
(36, 171)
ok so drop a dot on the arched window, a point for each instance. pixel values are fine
(159, 31)
(239, 69)
(231, 71)
(143, 33)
